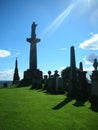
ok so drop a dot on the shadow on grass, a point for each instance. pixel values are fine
(94, 107)
(54, 92)
(94, 103)
(79, 103)
(61, 104)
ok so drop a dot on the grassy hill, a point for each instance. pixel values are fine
(25, 109)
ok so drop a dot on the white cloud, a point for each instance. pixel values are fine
(91, 43)
(21, 75)
(90, 58)
(45, 73)
(4, 53)
(63, 49)
(8, 75)
(89, 69)
(60, 69)
(16, 54)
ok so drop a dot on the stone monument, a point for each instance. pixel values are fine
(73, 75)
(94, 87)
(81, 84)
(16, 78)
(33, 75)
(33, 50)
(94, 79)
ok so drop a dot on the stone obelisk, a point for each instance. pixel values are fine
(33, 50)
(73, 77)
(16, 75)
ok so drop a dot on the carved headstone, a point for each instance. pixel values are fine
(49, 73)
(59, 85)
(51, 84)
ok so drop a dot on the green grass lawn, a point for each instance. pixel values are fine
(25, 109)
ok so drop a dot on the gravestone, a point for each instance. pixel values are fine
(33, 75)
(94, 79)
(81, 84)
(54, 83)
(45, 82)
(49, 73)
(51, 84)
(94, 87)
(59, 85)
(16, 78)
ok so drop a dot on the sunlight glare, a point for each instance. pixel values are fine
(88, 3)
(58, 21)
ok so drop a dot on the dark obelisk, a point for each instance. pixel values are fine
(73, 77)
(33, 50)
(16, 74)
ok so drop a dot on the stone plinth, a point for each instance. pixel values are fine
(33, 78)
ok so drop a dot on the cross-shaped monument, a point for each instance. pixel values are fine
(32, 76)
(33, 50)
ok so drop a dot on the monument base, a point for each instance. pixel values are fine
(32, 77)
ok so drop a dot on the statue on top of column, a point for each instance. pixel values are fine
(33, 28)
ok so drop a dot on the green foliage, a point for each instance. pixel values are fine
(25, 109)
(66, 73)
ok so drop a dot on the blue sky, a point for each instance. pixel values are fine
(61, 24)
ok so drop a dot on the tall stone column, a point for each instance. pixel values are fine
(33, 50)
(73, 77)
(32, 76)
